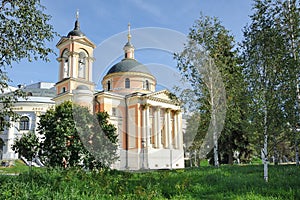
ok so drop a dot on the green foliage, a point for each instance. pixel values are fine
(174, 98)
(74, 137)
(27, 145)
(60, 139)
(24, 30)
(215, 42)
(270, 54)
(226, 182)
(108, 129)
(100, 140)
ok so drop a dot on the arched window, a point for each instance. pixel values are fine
(63, 90)
(108, 86)
(127, 83)
(65, 60)
(24, 123)
(82, 65)
(147, 85)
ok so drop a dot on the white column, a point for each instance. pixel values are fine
(154, 122)
(90, 69)
(169, 132)
(166, 130)
(10, 141)
(148, 144)
(145, 138)
(158, 132)
(144, 127)
(73, 66)
(70, 70)
(179, 131)
(175, 130)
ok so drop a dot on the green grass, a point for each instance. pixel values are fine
(226, 182)
(18, 167)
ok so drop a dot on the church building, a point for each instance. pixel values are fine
(148, 122)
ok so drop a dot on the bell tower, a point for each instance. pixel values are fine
(75, 64)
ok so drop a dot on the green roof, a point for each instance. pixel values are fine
(129, 65)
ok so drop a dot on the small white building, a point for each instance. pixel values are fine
(39, 100)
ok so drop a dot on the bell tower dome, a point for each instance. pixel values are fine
(75, 63)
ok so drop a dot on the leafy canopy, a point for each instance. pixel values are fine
(209, 63)
(27, 145)
(24, 32)
(74, 135)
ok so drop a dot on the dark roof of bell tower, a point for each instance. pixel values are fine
(76, 31)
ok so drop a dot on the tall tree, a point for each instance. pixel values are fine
(289, 14)
(214, 51)
(24, 31)
(271, 77)
(74, 137)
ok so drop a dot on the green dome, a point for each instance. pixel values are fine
(128, 65)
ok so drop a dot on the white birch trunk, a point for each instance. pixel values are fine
(214, 117)
(265, 157)
(265, 149)
(215, 138)
(216, 150)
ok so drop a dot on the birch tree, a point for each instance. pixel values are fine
(264, 53)
(210, 64)
(219, 68)
(206, 78)
(289, 18)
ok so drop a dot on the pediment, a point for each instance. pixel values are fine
(163, 94)
(82, 40)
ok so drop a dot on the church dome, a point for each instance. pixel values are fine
(76, 31)
(128, 75)
(128, 65)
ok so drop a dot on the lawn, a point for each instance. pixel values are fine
(18, 167)
(226, 182)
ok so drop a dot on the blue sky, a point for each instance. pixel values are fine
(101, 20)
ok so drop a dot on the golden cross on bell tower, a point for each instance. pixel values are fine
(129, 35)
(77, 14)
